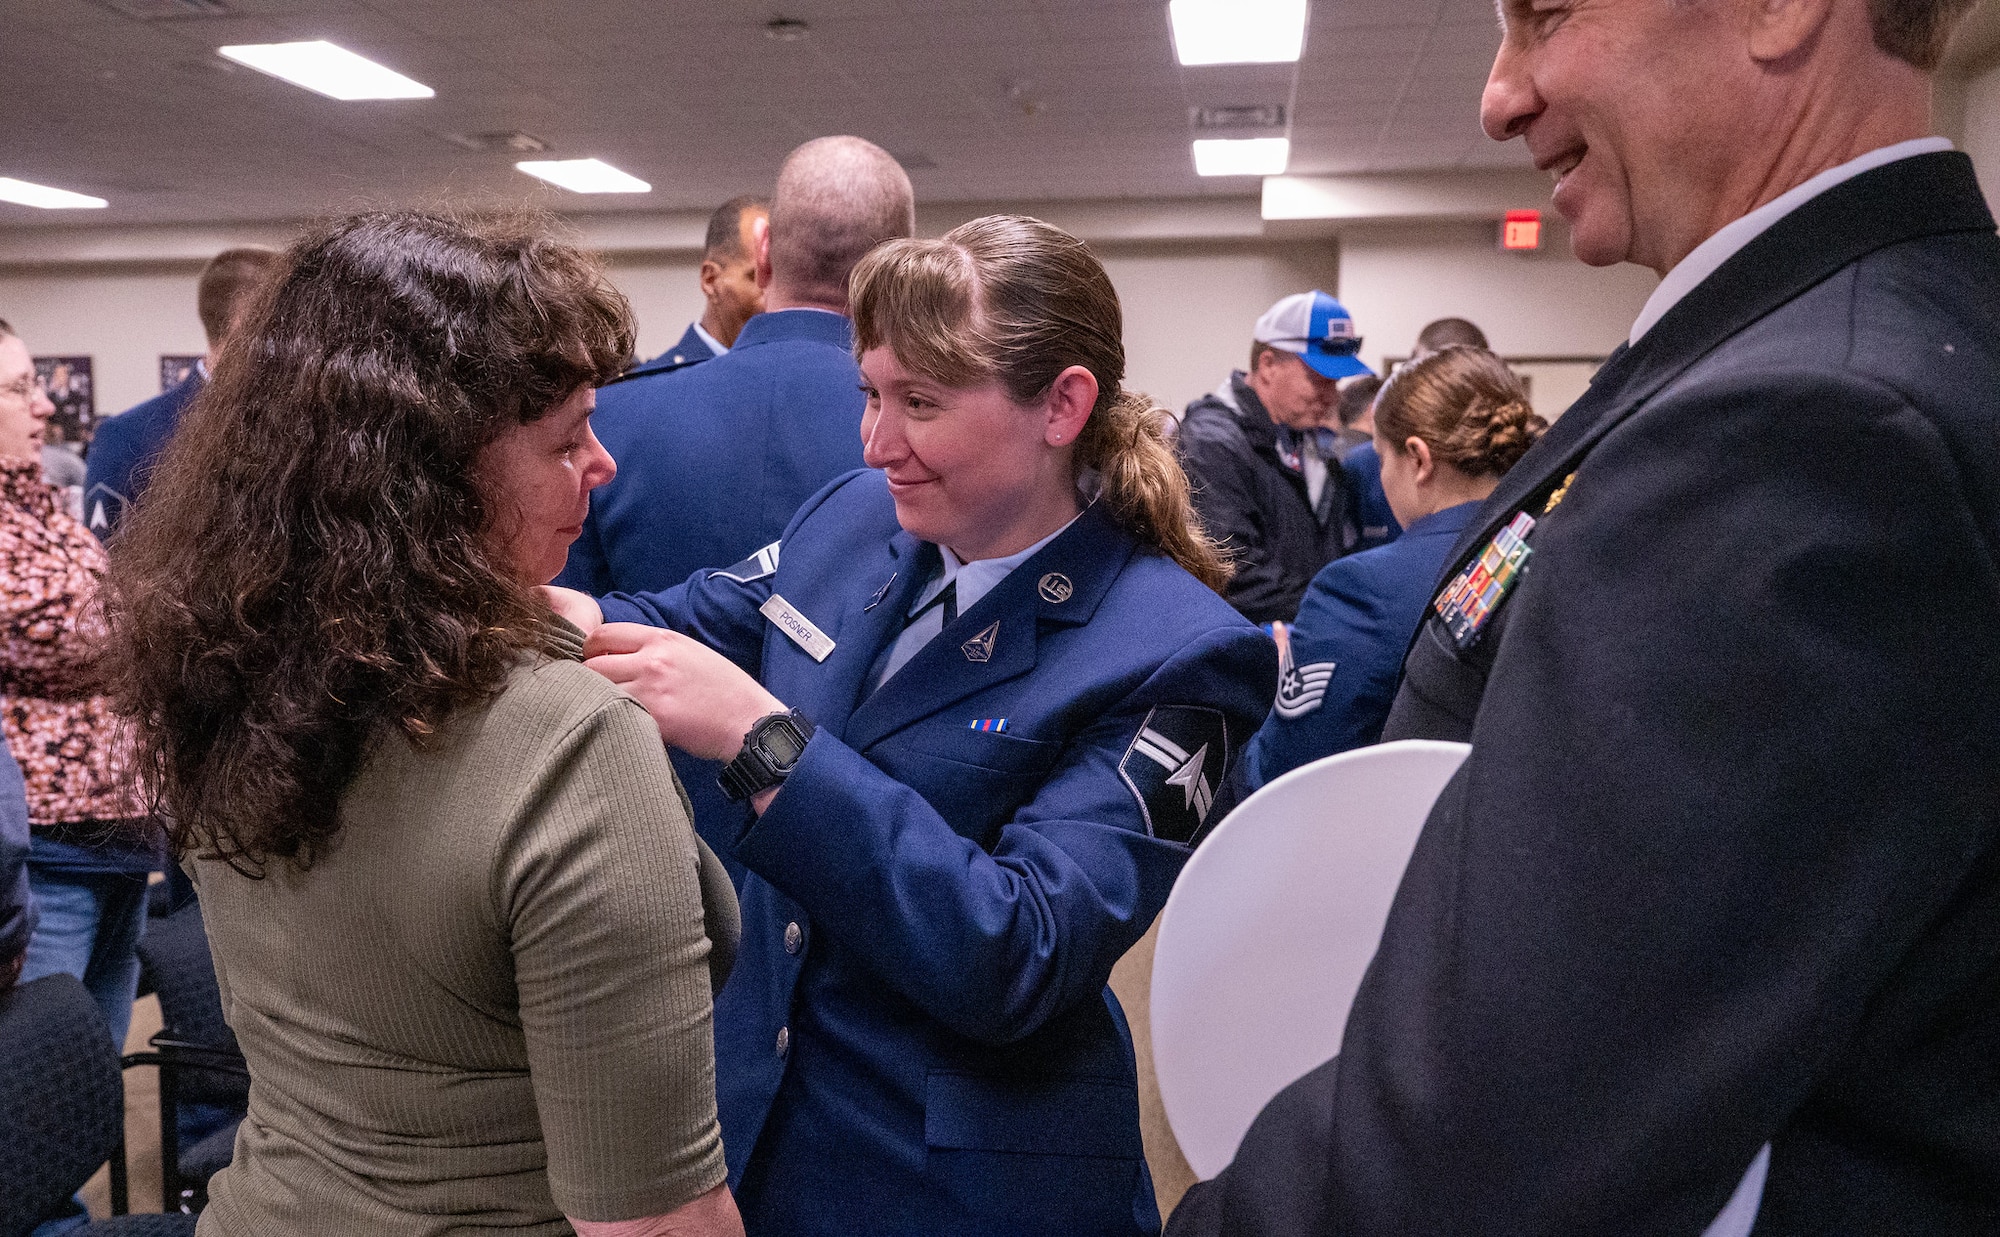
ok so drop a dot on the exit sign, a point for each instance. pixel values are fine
(1521, 229)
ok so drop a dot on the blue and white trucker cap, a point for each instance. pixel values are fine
(1316, 327)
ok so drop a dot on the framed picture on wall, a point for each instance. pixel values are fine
(176, 369)
(67, 381)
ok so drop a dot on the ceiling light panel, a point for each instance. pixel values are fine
(28, 193)
(1238, 31)
(328, 69)
(584, 175)
(1256, 156)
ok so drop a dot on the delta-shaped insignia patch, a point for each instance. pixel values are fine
(1174, 766)
(1300, 688)
(763, 563)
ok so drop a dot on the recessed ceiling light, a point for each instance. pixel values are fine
(1238, 31)
(1254, 156)
(584, 175)
(328, 69)
(28, 193)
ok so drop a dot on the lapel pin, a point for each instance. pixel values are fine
(1055, 587)
(980, 647)
(880, 593)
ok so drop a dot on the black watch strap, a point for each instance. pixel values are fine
(770, 751)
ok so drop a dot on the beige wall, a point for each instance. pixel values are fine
(1189, 305)
(1188, 310)
(1981, 119)
(124, 318)
(1395, 278)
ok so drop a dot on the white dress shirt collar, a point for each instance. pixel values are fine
(714, 345)
(1724, 245)
(975, 580)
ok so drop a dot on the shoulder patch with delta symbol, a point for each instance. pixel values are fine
(1174, 766)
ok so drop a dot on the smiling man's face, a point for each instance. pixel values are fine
(1635, 107)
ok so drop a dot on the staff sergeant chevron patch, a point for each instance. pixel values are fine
(1174, 766)
(1300, 688)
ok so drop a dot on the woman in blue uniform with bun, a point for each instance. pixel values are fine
(979, 699)
(1448, 426)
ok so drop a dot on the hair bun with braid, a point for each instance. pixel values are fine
(1466, 405)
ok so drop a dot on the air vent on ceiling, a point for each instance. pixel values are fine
(512, 141)
(914, 162)
(160, 10)
(1253, 116)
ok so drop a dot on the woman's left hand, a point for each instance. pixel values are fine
(703, 703)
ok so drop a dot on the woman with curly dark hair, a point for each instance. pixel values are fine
(449, 880)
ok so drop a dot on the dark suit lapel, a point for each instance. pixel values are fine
(996, 639)
(1925, 195)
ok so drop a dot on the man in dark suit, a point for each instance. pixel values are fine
(124, 447)
(1706, 931)
(728, 284)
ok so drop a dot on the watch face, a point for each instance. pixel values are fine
(784, 745)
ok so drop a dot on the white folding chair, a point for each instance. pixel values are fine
(1266, 935)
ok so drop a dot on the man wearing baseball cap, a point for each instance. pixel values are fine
(1258, 455)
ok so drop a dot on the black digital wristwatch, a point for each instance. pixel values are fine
(770, 752)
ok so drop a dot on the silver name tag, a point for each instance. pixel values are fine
(800, 628)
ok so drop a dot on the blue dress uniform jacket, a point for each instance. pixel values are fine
(713, 461)
(1375, 518)
(124, 450)
(690, 349)
(1340, 663)
(1723, 868)
(918, 1038)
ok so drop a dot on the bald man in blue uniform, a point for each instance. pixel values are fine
(714, 459)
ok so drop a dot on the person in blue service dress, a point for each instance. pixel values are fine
(979, 697)
(1447, 428)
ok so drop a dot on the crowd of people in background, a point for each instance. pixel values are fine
(961, 647)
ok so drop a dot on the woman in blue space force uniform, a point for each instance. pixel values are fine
(1447, 428)
(1014, 697)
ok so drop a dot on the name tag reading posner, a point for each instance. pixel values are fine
(815, 642)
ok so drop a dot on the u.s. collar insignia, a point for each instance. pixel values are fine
(980, 647)
(1174, 766)
(880, 593)
(1300, 688)
(1055, 587)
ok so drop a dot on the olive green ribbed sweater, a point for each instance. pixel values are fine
(488, 1006)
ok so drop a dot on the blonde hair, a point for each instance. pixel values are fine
(1013, 299)
(1467, 406)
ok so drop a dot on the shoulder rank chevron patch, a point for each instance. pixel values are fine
(1174, 766)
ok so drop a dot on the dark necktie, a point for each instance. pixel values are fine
(947, 597)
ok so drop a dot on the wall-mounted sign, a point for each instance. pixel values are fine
(1521, 229)
(175, 370)
(67, 381)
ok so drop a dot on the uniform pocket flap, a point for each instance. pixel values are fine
(1032, 1116)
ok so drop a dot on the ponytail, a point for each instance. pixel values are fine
(1145, 489)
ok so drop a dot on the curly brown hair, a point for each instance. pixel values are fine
(308, 565)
